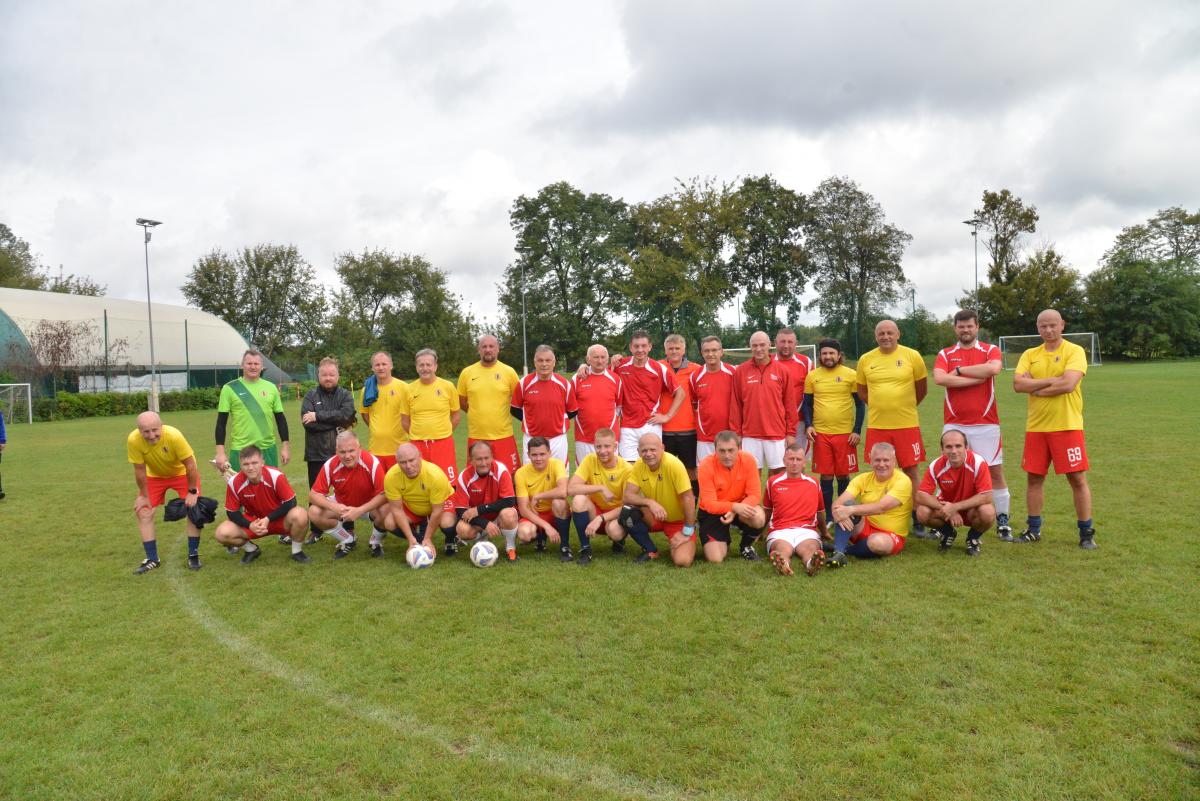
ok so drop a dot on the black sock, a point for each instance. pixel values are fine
(581, 523)
(972, 534)
(827, 495)
(563, 525)
(749, 535)
(449, 533)
(641, 535)
(194, 545)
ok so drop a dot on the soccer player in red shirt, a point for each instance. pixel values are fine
(968, 371)
(598, 394)
(259, 501)
(765, 412)
(798, 366)
(644, 382)
(484, 498)
(956, 491)
(793, 504)
(544, 402)
(712, 395)
(349, 487)
(679, 433)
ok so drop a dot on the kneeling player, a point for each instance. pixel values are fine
(956, 491)
(417, 492)
(659, 497)
(874, 513)
(729, 495)
(596, 491)
(484, 499)
(349, 487)
(541, 487)
(793, 502)
(259, 501)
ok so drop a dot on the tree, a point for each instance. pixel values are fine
(21, 269)
(375, 285)
(570, 264)
(856, 254)
(430, 317)
(269, 293)
(1145, 309)
(769, 261)
(924, 333)
(1170, 235)
(1044, 281)
(1004, 217)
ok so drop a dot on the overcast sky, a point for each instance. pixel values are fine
(414, 126)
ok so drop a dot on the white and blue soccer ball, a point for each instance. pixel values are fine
(418, 557)
(484, 554)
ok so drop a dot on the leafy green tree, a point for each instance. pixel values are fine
(375, 285)
(1044, 281)
(856, 254)
(1170, 235)
(924, 333)
(1145, 309)
(21, 269)
(1004, 217)
(769, 261)
(430, 317)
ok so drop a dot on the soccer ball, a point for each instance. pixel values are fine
(484, 554)
(418, 557)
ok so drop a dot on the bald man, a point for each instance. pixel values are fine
(162, 460)
(765, 410)
(598, 394)
(659, 497)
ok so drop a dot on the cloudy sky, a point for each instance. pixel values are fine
(413, 126)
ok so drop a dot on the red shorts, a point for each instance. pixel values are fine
(157, 487)
(868, 530)
(833, 455)
(672, 528)
(910, 451)
(441, 453)
(504, 451)
(386, 461)
(1064, 448)
(547, 516)
(275, 527)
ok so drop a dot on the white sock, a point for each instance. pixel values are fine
(510, 538)
(1000, 499)
(338, 533)
(377, 536)
(297, 544)
(249, 546)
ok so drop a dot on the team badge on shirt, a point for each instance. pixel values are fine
(899, 362)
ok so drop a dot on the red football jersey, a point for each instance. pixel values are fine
(598, 395)
(954, 484)
(764, 406)
(685, 418)
(642, 389)
(798, 367)
(472, 489)
(352, 486)
(713, 394)
(794, 502)
(257, 500)
(545, 404)
(970, 406)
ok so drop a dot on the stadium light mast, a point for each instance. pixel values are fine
(974, 223)
(153, 397)
(524, 343)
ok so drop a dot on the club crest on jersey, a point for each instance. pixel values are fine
(837, 379)
(166, 449)
(497, 376)
(899, 362)
(1056, 358)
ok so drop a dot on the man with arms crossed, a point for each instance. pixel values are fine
(598, 393)
(544, 402)
(260, 501)
(765, 413)
(712, 396)
(833, 418)
(679, 433)
(349, 486)
(729, 495)
(644, 382)
(596, 492)
(658, 497)
(968, 371)
(956, 491)
(485, 391)
(325, 410)
(383, 401)
(541, 487)
(1052, 375)
(873, 515)
(417, 492)
(162, 459)
(798, 366)
(485, 501)
(793, 502)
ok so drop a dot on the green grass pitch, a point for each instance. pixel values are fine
(1034, 672)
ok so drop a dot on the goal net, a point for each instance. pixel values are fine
(16, 401)
(1012, 347)
(736, 356)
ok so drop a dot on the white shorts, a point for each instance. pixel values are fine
(984, 439)
(558, 448)
(704, 450)
(792, 536)
(582, 451)
(766, 452)
(629, 440)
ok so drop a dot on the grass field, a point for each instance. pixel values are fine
(1034, 672)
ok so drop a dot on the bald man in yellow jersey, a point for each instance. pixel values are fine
(659, 497)
(417, 492)
(485, 391)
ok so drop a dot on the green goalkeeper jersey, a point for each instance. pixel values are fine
(251, 406)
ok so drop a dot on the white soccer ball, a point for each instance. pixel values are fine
(484, 554)
(418, 557)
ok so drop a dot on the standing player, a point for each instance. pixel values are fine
(541, 487)
(712, 396)
(485, 391)
(249, 403)
(968, 371)
(892, 381)
(833, 418)
(544, 402)
(1052, 375)
(729, 495)
(417, 492)
(260, 501)
(326, 409)
(793, 502)
(349, 486)
(384, 399)
(596, 491)
(765, 413)
(956, 491)
(598, 393)
(644, 382)
(874, 513)
(679, 433)
(162, 459)
(798, 366)
(485, 501)
(659, 497)
(432, 414)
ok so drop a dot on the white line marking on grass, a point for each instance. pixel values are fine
(565, 768)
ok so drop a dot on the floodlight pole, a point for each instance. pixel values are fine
(153, 396)
(974, 223)
(524, 343)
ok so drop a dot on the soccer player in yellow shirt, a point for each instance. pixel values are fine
(162, 459)
(433, 413)
(417, 492)
(877, 523)
(541, 487)
(485, 391)
(381, 407)
(833, 417)
(1052, 375)
(659, 497)
(596, 491)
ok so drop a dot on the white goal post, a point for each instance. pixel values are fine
(743, 354)
(16, 401)
(1011, 347)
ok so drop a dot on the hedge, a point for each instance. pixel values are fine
(71, 405)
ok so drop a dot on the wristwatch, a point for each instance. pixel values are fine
(958, 371)
(192, 490)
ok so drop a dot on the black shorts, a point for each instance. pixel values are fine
(681, 444)
(713, 530)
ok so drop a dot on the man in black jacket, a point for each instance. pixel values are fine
(326, 409)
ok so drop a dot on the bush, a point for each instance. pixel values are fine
(71, 405)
